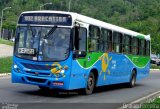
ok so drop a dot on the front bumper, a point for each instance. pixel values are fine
(40, 81)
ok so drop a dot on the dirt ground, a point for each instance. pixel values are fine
(6, 50)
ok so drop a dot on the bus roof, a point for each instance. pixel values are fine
(92, 21)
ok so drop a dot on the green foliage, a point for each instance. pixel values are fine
(155, 104)
(138, 15)
(5, 64)
(6, 42)
(154, 66)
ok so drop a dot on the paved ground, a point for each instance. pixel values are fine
(5, 50)
(109, 96)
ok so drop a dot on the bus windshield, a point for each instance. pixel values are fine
(42, 43)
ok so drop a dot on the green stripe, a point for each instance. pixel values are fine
(139, 61)
(86, 63)
(140, 37)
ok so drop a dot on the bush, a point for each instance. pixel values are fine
(5, 65)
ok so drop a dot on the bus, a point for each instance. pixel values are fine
(67, 50)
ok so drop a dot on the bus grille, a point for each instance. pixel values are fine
(36, 80)
(37, 67)
(39, 73)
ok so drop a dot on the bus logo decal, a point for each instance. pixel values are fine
(105, 63)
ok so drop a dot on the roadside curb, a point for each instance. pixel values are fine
(145, 99)
(154, 69)
(5, 74)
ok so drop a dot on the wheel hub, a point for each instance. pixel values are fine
(90, 82)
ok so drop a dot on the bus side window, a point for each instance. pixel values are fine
(135, 46)
(94, 38)
(142, 47)
(117, 42)
(127, 44)
(147, 48)
(106, 40)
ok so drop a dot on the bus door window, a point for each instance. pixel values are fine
(94, 38)
(83, 37)
(80, 39)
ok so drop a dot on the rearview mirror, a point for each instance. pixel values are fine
(79, 54)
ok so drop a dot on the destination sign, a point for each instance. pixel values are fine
(45, 19)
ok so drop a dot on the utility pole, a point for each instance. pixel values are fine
(69, 7)
(2, 21)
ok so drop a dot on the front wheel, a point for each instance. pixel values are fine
(90, 84)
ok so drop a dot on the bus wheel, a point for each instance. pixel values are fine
(133, 79)
(90, 84)
(43, 88)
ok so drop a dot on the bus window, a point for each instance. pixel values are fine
(117, 42)
(83, 37)
(147, 48)
(106, 40)
(135, 46)
(94, 38)
(21, 38)
(127, 44)
(80, 39)
(142, 47)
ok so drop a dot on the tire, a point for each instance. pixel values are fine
(90, 84)
(132, 82)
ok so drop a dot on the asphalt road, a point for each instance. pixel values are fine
(108, 97)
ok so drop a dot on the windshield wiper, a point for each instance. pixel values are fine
(51, 31)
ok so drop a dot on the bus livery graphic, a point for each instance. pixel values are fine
(105, 63)
(66, 50)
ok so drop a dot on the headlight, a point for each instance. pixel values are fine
(16, 68)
